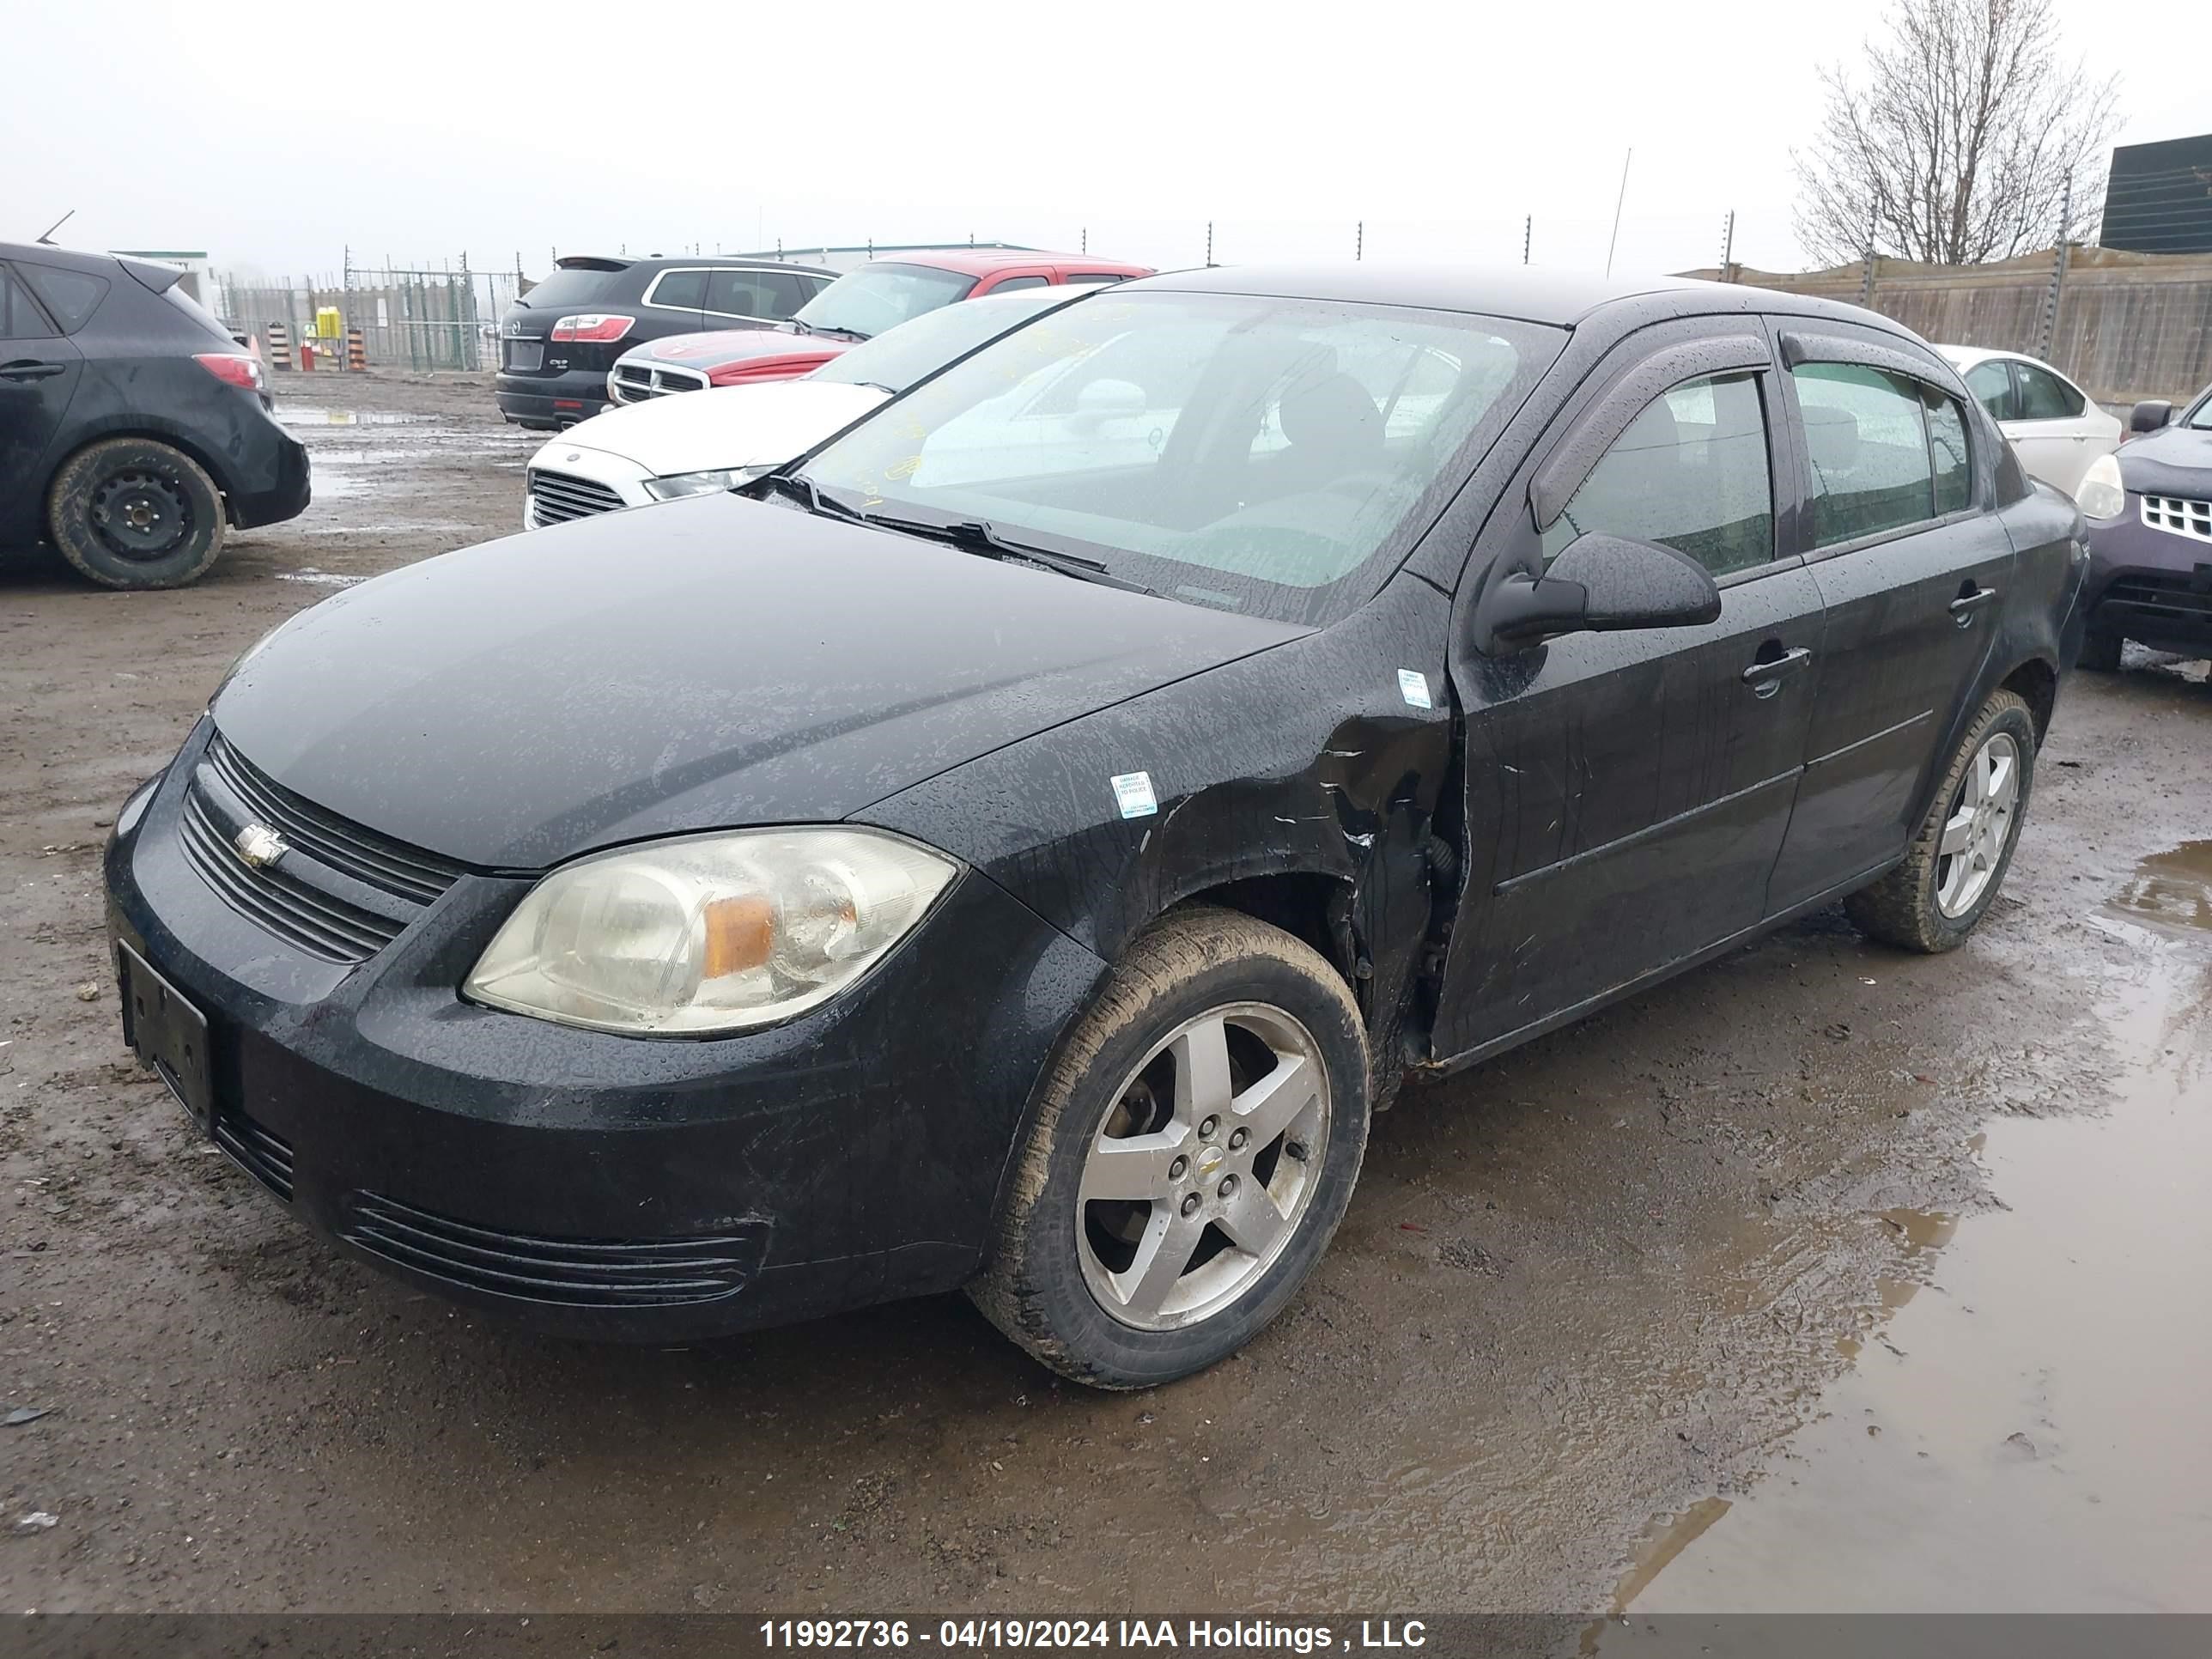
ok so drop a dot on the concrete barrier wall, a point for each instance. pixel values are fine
(2128, 325)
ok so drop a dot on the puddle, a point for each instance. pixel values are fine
(2024, 1432)
(311, 415)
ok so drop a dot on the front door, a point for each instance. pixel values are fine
(1627, 793)
(38, 372)
(1897, 530)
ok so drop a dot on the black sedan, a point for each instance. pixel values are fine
(133, 430)
(2150, 536)
(1022, 849)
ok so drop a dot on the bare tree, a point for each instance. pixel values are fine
(1964, 137)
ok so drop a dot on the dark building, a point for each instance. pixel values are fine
(2160, 197)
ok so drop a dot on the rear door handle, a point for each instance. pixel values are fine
(28, 368)
(1766, 676)
(1963, 607)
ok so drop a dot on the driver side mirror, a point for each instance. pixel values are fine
(1603, 582)
(2149, 415)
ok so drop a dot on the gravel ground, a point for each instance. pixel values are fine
(1589, 1298)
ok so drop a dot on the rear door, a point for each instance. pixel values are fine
(1626, 793)
(2055, 429)
(1899, 530)
(39, 374)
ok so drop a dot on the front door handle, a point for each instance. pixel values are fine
(1765, 677)
(1968, 602)
(28, 368)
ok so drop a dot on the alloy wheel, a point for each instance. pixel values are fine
(1979, 827)
(1200, 1169)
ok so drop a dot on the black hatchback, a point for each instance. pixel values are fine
(1022, 848)
(133, 431)
(557, 342)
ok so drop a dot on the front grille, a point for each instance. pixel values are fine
(2152, 597)
(2179, 515)
(563, 1271)
(556, 497)
(264, 1155)
(311, 917)
(633, 383)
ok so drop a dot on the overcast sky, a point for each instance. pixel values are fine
(273, 135)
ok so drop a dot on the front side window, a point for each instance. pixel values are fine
(2044, 396)
(883, 295)
(1690, 473)
(1991, 385)
(1867, 444)
(1139, 429)
(740, 294)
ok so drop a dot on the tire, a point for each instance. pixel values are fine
(135, 513)
(2101, 653)
(1930, 902)
(1063, 1255)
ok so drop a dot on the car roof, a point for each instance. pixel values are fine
(982, 261)
(611, 262)
(1562, 299)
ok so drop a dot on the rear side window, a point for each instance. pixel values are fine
(685, 290)
(202, 318)
(1991, 385)
(1690, 473)
(740, 294)
(1014, 283)
(789, 290)
(2044, 396)
(1096, 277)
(1947, 448)
(69, 296)
(19, 317)
(1867, 444)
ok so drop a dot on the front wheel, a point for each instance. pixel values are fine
(1958, 860)
(1196, 1145)
(133, 512)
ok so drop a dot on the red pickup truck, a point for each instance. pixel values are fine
(880, 295)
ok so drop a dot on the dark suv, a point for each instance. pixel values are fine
(558, 341)
(133, 430)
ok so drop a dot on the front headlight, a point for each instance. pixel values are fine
(2102, 496)
(700, 483)
(710, 933)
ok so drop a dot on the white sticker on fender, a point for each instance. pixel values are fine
(1414, 688)
(1133, 790)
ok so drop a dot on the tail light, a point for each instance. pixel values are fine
(233, 368)
(597, 327)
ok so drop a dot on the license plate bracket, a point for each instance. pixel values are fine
(526, 356)
(168, 1034)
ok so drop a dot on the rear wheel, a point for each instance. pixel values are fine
(1196, 1147)
(133, 512)
(2100, 652)
(1950, 877)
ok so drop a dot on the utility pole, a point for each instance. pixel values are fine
(1618, 202)
(1359, 241)
(1528, 234)
(2049, 332)
(1085, 246)
(1209, 244)
(1866, 286)
(1727, 248)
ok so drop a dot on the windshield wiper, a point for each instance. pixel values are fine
(980, 536)
(808, 493)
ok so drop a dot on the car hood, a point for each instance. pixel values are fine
(706, 663)
(729, 426)
(738, 345)
(2175, 460)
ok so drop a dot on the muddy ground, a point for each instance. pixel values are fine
(1772, 1286)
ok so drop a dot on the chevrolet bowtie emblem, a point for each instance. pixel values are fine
(260, 846)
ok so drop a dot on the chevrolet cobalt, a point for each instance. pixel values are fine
(1021, 843)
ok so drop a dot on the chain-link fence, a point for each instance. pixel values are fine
(446, 318)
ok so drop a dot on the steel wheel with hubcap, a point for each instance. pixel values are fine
(1193, 1148)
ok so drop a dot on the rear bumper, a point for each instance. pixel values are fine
(286, 496)
(551, 401)
(2150, 586)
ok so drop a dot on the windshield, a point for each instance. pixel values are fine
(571, 285)
(1265, 455)
(897, 359)
(879, 296)
(2201, 417)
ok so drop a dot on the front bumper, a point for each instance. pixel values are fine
(551, 402)
(2151, 585)
(557, 1174)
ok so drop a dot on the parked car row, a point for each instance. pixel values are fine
(1018, 845)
